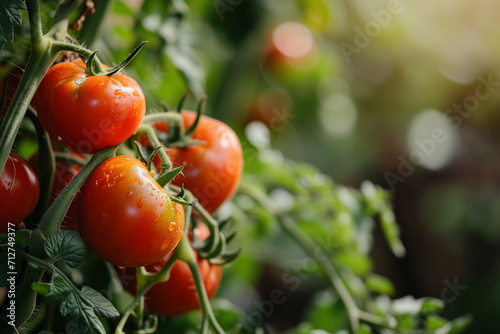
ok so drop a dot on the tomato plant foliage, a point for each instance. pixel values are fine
(100, 238)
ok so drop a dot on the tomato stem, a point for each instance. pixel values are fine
(190, 258)
(38, 63)
(33, 8)
(161, 117)
(112, 71)
(69, 159)
(182, 101)
(211, 248)
(59, 30)
(199, 112)
(166, 163)
(149, 280)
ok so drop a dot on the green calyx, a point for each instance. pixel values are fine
(94, 66)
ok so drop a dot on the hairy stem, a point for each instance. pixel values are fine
(188, 256)
(150, 280)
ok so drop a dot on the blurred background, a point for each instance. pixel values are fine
(403, 93)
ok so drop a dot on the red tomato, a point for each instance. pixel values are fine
(178, 294)
(19, 191)
(88, 113)
(273, 107)
(211, 171)
(125, 216)
(62, 176)
(290, 43)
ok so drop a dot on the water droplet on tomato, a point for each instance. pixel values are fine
(140, 203)
(79, 81)
(120, 93)
(136, 93)
(129, 194)
(171, 226)
(121, 267)
(122, 174)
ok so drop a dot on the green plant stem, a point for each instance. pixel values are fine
(38, 63)
(69, 158)
(72, 47)
(166, 163)
(187, 255)
(310, 248)
(162, 117)
(214, 240)
(59, 28)
(150, 280)
(33, 8)
(49, 224)
(123, 149)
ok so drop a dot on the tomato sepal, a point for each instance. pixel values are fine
(91, 66)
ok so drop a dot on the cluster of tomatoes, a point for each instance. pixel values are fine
(122, 212)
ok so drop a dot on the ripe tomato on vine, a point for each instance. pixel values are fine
(125, 216)
(213, 168)
(88, 113)
(19, 191)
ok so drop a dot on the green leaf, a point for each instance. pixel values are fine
(357, 262)
(102, 306)
(431, 305)
(434, 322)
(68, 246)
(54, 292)
(364, 329)
(378, 284)
(9, 17)
(165, 178)
(458, 325)
(227, 314)
(23, 238)
(121, 8)
(41, 288)
(144, 152)
(391, 232)
(180, 51)
(79, 315)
